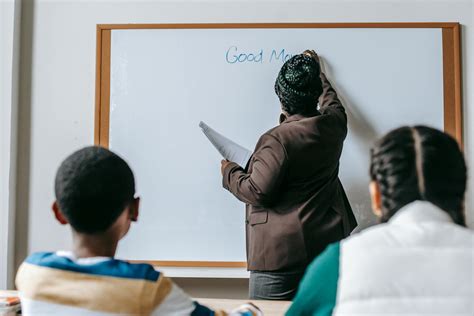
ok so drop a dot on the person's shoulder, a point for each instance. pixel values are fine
(327, 260)
(272, 131)
(40, 258)
(332, 249)
(282, 132)
(330, 254)
(318, 124)
(100, 267)
(273, 135)
(143, 271)
(373, 235)
(465, 231)
(388, 236)
(458, 229)
(447, 235)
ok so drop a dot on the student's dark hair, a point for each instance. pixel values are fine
(419, 163)
(93, 187)
(299, 85)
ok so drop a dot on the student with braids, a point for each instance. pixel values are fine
(296, 205)
(419, 261)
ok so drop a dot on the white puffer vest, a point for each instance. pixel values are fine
(419, 263)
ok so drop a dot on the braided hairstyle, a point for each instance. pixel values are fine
(419, 163)
(298, 85)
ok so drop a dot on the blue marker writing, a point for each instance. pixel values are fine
(232, 56)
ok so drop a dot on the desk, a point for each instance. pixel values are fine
(269, 308)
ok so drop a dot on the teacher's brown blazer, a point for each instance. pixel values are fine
(295, 203)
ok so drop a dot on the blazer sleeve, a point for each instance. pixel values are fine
(260, 185)
(329, 103)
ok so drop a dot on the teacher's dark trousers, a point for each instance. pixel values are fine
(274, 285)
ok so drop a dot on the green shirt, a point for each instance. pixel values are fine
(317, 291)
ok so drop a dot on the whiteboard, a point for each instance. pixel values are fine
(164, 81)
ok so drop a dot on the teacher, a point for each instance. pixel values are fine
(295, 203)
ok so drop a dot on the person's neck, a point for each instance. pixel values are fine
(98, 245)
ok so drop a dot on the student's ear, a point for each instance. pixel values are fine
(134, 209)
(376, 198)
(58, 214)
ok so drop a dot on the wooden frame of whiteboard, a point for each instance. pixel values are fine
(452, 83)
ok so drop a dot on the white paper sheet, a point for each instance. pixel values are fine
(226, 147)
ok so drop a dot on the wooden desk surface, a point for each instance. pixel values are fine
(269, 308)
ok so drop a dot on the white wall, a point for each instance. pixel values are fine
(58, 77)
(9, 35)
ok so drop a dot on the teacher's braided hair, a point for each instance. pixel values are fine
(298, 84)
(419, 163)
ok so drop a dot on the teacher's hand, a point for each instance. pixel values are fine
(311, 53)
(224, 164)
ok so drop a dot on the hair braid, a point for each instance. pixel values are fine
(394, 170)
(419, 163)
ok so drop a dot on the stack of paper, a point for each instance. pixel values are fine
(226, 147)
(9, 303)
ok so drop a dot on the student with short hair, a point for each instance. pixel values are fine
(420, 259)
(95, 194)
